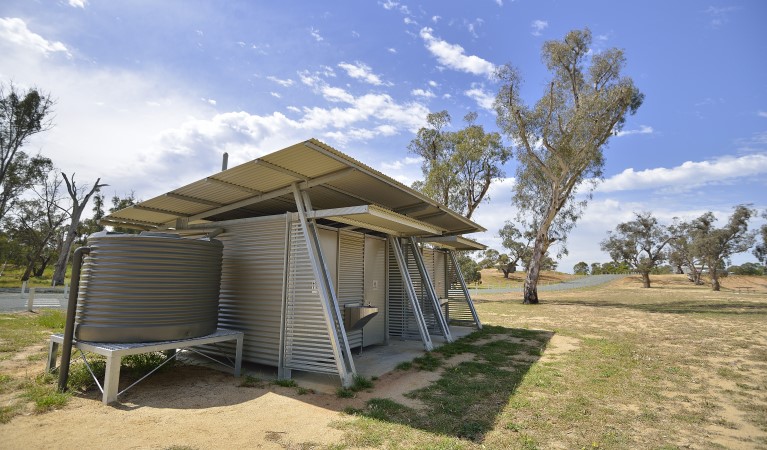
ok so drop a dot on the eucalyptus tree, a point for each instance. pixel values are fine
(715, 245)
(561, 138)
(458, 166)
(581, 268)
(22, 115)
(79, 200)
(640, 243)
(760, 251)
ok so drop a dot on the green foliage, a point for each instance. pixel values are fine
(459, 166)
(748, 268)
(429, 362)
(405, 365)
(469, 268)
(639, 243)
(285, 383)
(251, 381)
(343, 392)
(361, 383)
(43, 393)
(561, 138)
(581, 268)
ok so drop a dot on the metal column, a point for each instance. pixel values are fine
(328, 299)
(411, 294)
(462, 282)
(429, 287)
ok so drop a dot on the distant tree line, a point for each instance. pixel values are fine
(691, 247)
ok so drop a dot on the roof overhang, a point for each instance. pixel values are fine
(264, 187)
(374, 218)
(454, 243)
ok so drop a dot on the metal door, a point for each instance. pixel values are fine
(375, 289)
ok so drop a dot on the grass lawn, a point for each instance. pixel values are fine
(674, 366)
(612, 367)
(11, 277)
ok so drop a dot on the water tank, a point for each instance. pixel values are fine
(148, 287)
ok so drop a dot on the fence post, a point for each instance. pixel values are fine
(31, 299)
(23, 288)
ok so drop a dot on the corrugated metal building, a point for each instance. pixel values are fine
(311, 236)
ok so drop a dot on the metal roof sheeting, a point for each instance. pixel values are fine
(264, 187)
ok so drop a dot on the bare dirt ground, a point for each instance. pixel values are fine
(713, 387)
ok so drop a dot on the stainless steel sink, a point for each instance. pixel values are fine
(357, 316)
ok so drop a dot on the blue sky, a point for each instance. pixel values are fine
(150, 94)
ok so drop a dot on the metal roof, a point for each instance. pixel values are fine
(263, 187)
(454, 243)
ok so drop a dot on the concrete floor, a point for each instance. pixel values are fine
(374, 361)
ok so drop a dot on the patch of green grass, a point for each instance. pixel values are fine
(5, 382)
(80, 379)
(21, 330)
(9, 412)
(361, 383)
(428, 362)
(304, 391)
(343, 392)
(285, 383)
(43, 393)
(406, 365)
(251, 382)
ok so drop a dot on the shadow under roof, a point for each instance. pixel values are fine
(264, 187)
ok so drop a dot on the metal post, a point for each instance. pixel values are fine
(31, 299)
(69, 326)
(23, 288)
(327, 297)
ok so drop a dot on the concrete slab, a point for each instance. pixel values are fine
(374, 361)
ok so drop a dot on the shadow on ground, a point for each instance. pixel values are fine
(468, 397)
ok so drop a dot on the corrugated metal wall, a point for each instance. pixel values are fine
(351, 275)
(307, 344)
(252, 280)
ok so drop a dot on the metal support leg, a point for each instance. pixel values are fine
(238, 355)
(53, 349)
(111, 378)
(430, 292)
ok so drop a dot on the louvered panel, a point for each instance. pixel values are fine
(307, 344)
(423, 298)
(458, 303)
(251, 286)
(402, 323)
(351, 276)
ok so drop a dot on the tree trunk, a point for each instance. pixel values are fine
(534, 272)
(715, 286)
(646, 279)
(61, 264)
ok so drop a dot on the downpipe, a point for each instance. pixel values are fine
(69, 326)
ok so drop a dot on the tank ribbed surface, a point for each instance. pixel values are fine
(148, 288)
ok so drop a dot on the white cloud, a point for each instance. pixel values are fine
(316, 34)
(78, 3)
(391, 50)
(433, 83)
(472, 26)
(209, 101)
(454, 56)
(762, 114)
(483, 98)
(688, 175)
(435, 19)
(538, 26)
(275, 94)
(643, 129)
(719, 15)
(336, 94)
(392, 5)
(422, 93)
(400, 163)
(361, 71)
(282, 82)
(293, 109)
(499, 2)
(409, 21)
(355, 34)
(15, 31)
